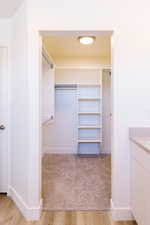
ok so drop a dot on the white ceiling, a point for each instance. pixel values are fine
(7, 7)
(69, 46)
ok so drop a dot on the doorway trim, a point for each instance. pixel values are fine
(65, 33)
(34, 207)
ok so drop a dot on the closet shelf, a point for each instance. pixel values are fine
(89, 127)
(89, 99)
(89, 113)
(89, 141)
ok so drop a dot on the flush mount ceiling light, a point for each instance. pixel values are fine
(86, 40)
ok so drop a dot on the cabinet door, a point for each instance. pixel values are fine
(140, 185)
(48, 92)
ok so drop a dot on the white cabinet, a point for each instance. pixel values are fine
(140, 184)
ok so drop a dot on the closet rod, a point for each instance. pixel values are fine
(66, 86)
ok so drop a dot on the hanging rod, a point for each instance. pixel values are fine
(66, 86)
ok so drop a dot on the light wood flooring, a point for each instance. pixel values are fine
(10, 215)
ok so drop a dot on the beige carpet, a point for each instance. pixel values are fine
(71, 182)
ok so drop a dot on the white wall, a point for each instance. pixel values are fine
(106, 109)
(82, 76)
(19, 104)
(130, 21)
(82, 61)
(59, 137)
(5, 32)
(20, 132)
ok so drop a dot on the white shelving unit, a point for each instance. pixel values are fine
(89, 113)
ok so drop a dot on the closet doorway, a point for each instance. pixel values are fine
(76, 167)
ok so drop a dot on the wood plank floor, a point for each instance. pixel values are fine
(10, 215)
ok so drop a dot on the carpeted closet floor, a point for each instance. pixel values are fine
(71, 182)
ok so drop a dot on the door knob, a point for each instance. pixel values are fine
(2, 127)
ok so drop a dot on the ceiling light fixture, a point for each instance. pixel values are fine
(86, 40)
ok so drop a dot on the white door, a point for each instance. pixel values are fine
(106, 108)
(3, 120)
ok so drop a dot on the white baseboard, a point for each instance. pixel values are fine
(64, 150)
(59, 150)
(121, 214)
(28, 212)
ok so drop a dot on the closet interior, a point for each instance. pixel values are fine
(73, 121)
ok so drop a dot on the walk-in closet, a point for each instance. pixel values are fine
(76, 123)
